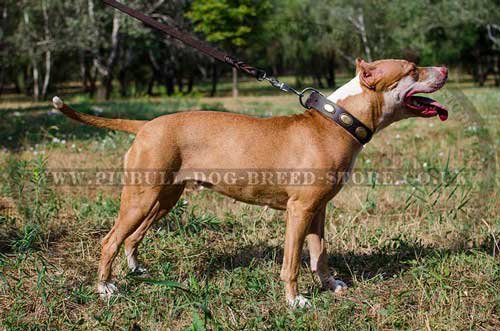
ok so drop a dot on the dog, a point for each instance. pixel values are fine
(382, 92)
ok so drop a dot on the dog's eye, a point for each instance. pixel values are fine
(414, 73)
(393, 86)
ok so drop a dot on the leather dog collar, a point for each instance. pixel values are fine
(340, 116)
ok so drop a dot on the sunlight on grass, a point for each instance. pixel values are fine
(415, 256)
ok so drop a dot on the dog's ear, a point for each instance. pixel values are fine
(368, 73)
(359, 62)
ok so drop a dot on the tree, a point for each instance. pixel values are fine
(34, 37)
(90, 42)
(459, 37)
(232, 24)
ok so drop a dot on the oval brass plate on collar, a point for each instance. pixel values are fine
(361, 132)
(329, 108)
(346, 119)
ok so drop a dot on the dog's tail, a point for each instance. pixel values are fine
(131, 126)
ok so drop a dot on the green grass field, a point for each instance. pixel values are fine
(416, 257)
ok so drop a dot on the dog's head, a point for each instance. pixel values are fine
(398, 81)
(388, 88)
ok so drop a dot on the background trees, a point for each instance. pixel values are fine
(49, 42)
(233, 24)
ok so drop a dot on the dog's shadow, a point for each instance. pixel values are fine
(384, 262)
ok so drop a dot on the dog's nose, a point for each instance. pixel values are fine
(444, 71)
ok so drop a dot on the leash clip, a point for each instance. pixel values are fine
(287, 88)
(260, 75)
(303, 93)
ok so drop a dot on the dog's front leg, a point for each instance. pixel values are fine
(318, 253)
(297, 224)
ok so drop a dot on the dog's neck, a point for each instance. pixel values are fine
(366, 106)
(353, 87)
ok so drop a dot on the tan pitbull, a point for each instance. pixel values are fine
(382, 92)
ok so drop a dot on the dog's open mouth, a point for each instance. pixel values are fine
(425, 107)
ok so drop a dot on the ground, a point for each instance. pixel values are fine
(416, 254)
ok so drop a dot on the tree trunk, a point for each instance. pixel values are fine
(126, 60)
(151, 85)
(156, 73)
(214, 80)
(106, 70)
(26, 80)
(122, 77)
(331, 72)
(88, 77)
(4, 72)
(36, 87)
(48, 70)
(169, 84)
(48, 53)
(180, 83)
(84, 72)
(190, 83)
(480, 72)
(358, 20)
(17, 86)
(317, 78)
(235, 82)
(2, 78)
(92, 82)
(496, 66)
(108, 87)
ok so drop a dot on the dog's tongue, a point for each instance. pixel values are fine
(441, 110)
(443, 116)
(433, 107)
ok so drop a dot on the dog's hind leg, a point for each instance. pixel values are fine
(168, 198)
(139, 205)
(318, 253)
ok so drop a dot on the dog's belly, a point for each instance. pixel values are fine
(274, 197)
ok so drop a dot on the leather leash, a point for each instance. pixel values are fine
(316, 100)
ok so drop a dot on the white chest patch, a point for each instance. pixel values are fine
(353, 87)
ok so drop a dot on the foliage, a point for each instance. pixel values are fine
(232, 23)
(56, 41)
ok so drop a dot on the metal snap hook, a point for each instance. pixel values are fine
(303, 93)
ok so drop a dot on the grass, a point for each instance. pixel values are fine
(415, 256)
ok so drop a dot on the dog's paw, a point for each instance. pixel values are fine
(299, 302)
(335, 285)
(106, 289)
(140, 271)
